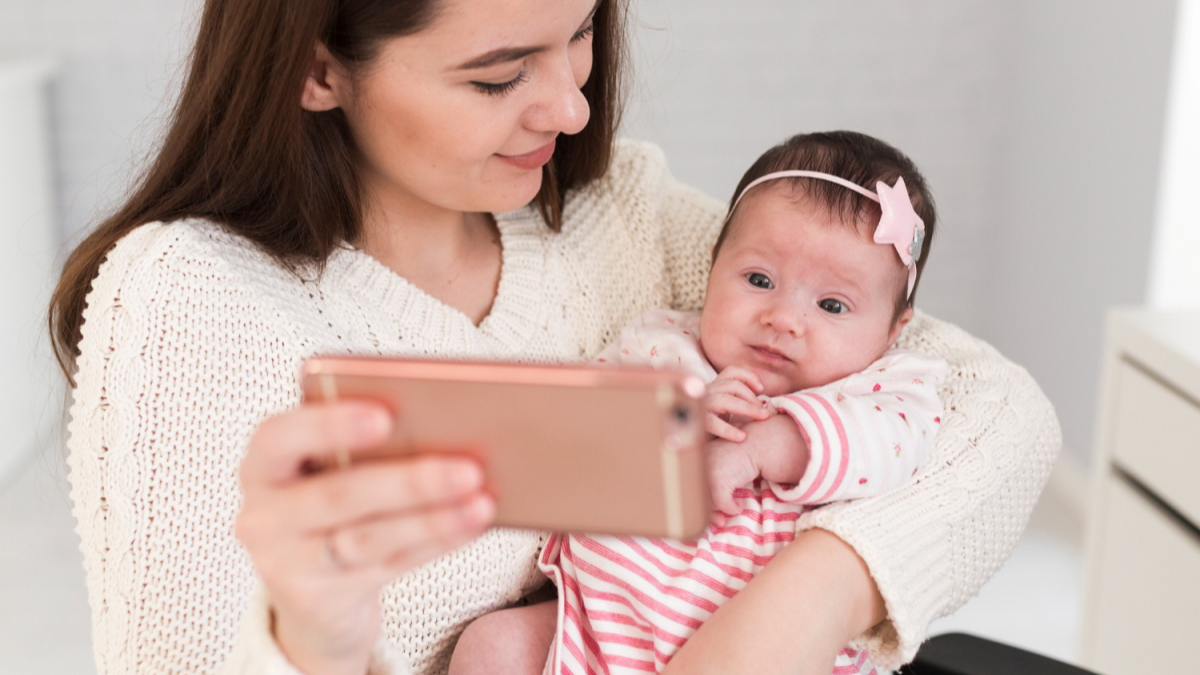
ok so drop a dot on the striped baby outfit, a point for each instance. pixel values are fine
(627, 604)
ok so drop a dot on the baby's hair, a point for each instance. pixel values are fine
(857, 158)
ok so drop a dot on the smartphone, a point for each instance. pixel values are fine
(575, 448)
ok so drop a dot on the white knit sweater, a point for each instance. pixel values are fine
(192, 336)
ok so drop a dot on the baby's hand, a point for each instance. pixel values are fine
(729, 468)
(733, 394)
(773, 449)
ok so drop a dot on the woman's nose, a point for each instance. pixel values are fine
(562, 106)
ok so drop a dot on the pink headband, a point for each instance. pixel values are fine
(899, 226)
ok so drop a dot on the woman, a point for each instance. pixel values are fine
(353, 176)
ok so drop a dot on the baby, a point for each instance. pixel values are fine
(812, 281)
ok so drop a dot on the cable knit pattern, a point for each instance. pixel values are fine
(192, 336)
(958, 522)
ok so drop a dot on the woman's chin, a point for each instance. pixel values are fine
(520, 196)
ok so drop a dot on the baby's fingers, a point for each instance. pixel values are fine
(748, 407)
(742, 375)
(723, 503)
(718, 427)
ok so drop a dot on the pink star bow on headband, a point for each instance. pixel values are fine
(899, 226)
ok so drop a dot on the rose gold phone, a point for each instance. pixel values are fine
(569, 448)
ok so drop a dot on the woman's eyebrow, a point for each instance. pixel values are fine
(502, 55)
(507, 54)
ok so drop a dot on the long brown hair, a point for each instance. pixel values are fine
(240, 151)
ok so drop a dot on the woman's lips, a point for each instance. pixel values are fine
(531, 160)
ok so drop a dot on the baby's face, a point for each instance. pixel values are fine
(797, 298)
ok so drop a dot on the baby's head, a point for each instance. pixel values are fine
(800, 293)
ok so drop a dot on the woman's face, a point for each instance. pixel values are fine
(462, 115)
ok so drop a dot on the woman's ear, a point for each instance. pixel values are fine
(898, 325)
(326, 83)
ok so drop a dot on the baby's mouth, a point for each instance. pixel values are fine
(770, 354)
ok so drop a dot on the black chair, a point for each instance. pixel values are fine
(963, 654)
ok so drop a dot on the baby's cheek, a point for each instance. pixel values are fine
(713, 353)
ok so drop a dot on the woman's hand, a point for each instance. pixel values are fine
(325, 543)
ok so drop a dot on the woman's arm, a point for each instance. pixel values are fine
(180, 363)
(834, 600)
(159, 418)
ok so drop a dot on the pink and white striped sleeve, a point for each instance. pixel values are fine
(867, 433)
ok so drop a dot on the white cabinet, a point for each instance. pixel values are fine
(1142, 593)
(28, 409)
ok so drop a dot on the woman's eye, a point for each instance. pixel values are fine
(832, 306)
(501, 88)
(584, 33)
(759, 280)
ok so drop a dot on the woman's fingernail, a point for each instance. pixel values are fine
(481, 510)
(466, 477)
(371, 424)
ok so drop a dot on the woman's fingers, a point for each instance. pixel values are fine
(325, 540)
(367, 491)
(433, 502)
(407, 540)
(283, 446)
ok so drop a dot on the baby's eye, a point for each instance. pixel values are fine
(759, 280)
(832, 306)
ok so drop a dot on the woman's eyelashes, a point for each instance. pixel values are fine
(585, 32)
(759, 280)
(501, 88)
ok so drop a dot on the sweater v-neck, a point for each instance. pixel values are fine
(514, 314)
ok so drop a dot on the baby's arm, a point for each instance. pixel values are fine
(750, 440)
(514, 641)
(866, 434)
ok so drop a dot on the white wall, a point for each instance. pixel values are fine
(1084, 104)
(118, 61)
(28, 407)
(113, 66)
(1174, 274)
(717, 83)
(1038, 123)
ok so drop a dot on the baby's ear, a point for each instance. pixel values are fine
(898, 325)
